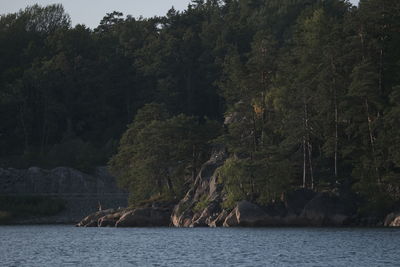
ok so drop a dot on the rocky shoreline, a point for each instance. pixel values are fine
(245, 214)
(202, 207)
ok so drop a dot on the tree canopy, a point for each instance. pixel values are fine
(307, 93)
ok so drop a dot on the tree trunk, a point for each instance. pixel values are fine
(336, 118)
(304, 161)
(371, 138)
(25, 131)
(309, 148)
(308, 142)
(44, 129)
(169, 184)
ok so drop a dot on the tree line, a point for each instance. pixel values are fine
(303, 93)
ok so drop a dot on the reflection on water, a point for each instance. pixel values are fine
(70, 246)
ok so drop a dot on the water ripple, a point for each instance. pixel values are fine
(70, 246)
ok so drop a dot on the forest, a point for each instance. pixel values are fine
(301, 93)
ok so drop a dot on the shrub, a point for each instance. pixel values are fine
(202, 204)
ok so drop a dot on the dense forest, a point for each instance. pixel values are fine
(301, 93)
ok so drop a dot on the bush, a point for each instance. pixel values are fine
(202, 204)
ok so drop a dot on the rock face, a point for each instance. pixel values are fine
(81, 192)
(145, 217)
(201, 205)
(393, 220)
(246, 214)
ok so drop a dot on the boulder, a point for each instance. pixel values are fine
(325, 209)
(145, 217)
(296, 200)
(248, 214)
(231, 220)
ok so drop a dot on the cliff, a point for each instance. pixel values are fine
(202, 206)
(82, 193)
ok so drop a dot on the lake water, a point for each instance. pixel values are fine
(70, 246)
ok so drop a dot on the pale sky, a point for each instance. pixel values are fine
(90, 12)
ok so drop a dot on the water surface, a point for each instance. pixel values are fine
(70, 246)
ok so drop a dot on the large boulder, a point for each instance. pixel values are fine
(296, 200)
(248, 214)
(231, 219)
(326, 209)
(145, 217)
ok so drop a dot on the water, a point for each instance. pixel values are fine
(70, 246)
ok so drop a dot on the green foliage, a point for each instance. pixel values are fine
(158, 151)
(260, 181)
(309, 89)
(201, 204)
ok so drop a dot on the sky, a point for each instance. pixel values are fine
(90, 12)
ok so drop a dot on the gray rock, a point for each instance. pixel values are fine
(219, 220)
(325, 209)
(231, 220)
(207, 215)
(296, 200)
(206, 186)
(247, 214)
(145, 217)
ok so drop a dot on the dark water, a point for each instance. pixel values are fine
(70, 246)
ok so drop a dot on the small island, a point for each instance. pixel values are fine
(229, 113)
